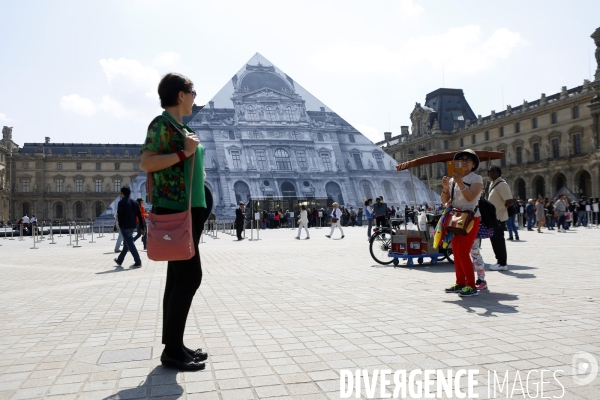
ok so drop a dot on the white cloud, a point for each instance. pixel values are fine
(112, 106)
(132, 72)
(370, 132)
(408, 9)
(462, 50)
(77, 104)
(4, 118)
(167, 59)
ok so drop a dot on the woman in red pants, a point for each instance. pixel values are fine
(466, 187)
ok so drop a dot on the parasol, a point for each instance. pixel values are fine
(484, 155)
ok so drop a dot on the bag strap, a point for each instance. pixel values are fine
(150, 180)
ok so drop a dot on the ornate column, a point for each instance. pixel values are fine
(595, 103)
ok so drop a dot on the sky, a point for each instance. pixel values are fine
(87, 72)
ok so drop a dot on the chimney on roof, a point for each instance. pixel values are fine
(212, 105)
(322, 109)
(47, 139)
(404, 130)
(387, 136)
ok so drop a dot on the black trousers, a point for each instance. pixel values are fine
(239, 228)
(499, 244)
(183, 280)
(381, 221)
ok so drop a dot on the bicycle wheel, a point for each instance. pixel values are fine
(379, 246)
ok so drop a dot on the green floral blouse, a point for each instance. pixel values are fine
(169, 188)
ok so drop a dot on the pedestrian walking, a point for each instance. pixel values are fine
(501, 197)
(141, 229)
(379, 210)
(128, 210)
(550, 215)
(169, 144)
(240, 219)
(466, 198)
(560, 207)
(336, 214)
(540, 214)
(530, 212)
(303, 222)
(369, 215)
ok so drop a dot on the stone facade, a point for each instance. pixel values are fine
(548, 143)
(70, 181)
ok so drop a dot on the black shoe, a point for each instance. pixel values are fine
(343, 236)
(136, 265)
(198, 354)
(117, 251)
(509, 238)
(468, 292)
(117, 262)
(455, 288)
(530, 229)
(297, 238)
(181, 365)
(327, 236)
(517, 238)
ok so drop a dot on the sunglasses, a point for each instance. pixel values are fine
(464, 159)
(193, 92)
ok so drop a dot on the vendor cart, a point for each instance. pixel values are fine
(380, 244)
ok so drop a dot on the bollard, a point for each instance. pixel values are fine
(12, 233)
(21, 233)
(82, 230)
(59, 229)
(51, 234)
(217, 229)
(33, 236)
(69, 235)
(77, 236)
(92, 233)
(42, 239)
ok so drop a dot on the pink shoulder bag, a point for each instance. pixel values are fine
(170, 236)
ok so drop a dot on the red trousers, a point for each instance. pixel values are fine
(461, 248)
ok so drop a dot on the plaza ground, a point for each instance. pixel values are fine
(280, 318)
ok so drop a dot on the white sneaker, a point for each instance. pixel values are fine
(498, 267)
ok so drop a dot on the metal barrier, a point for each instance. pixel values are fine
(33, 236)
(69, 235)
(52, 234)
(92, 233)
(77, 231)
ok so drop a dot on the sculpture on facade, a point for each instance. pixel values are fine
(547, 151)
(596, 37)
(214, 163)
(348, 167)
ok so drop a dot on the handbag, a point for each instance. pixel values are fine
(170, 236)
(484, 232)
(458, 221)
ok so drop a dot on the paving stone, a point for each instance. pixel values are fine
(125, 355)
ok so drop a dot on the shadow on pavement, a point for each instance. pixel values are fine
(117, 269)
(160, 382)
(489, 301)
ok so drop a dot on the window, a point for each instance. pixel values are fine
(351, 138)
(536, 152)
(326, 161)
(251, 114)
(59, 165)
(59, 185)
(501, 131)
(98, 166)
(270, 111)
(358, 161)
(555, 148)
(295, 136)
(26, 185)
(534, 122)
(78, 210)
(517, 127)
(575, 112)
(261, 159)
(577, 144)
(367, 189)
(59, 211)
(462, 143)
(136, 166)
(78, 166)
(302, 162)
(446, 145)
(519, 151)
(487, 135)
(255, 135)
(379, 159)
(388, 189)
(26, 209)
(282, 160)
(235, 157)
(289, 114)
(117, 166)
(117, 183)
(231, 135)
(457, 115)
(503, 159)
(553, 117)
(473, 139)
(99, 209)
(78, 185)
(25, 165)
(320, 137)
(98, 184)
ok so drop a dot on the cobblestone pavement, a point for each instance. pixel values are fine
(280, 318)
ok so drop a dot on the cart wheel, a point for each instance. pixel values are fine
(396, 262)
(420, 260)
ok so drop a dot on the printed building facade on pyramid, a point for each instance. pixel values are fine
(266, 137)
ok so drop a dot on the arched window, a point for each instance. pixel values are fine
(26, 209)
(289, 114)
(288, 189)
(242, 191)
(251, 114)
(389, 193)
(58, 211)
(282, 160)
(270, 111)
(99, 209)
(320, 137)
(351, 138)
(79, 210)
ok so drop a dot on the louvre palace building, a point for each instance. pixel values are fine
(265, 138)
(550, 144)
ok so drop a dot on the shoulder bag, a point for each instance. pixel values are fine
(170, 236)
(458, 221)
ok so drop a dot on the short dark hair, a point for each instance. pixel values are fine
(126, 191)
(303, 207)
(495, 168)
(170, 86)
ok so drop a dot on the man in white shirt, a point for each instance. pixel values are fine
(501, 197)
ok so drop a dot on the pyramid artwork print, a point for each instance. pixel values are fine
(266, 137)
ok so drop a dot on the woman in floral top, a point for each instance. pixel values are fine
(165, 155)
